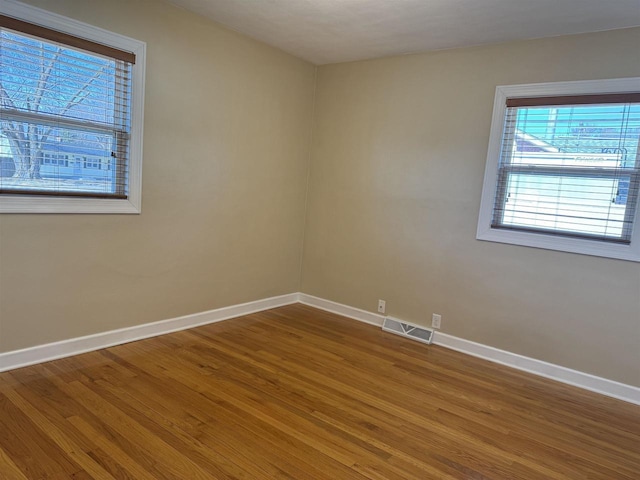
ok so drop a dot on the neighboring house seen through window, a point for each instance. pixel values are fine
(70, 115)
(563, 169)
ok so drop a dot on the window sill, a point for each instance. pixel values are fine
(561, 244)
(20, 204)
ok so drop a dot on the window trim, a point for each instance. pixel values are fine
(51, 204)
(541, 240)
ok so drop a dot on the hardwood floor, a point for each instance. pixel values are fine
(298, 393)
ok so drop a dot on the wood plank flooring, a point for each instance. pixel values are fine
(297, 393)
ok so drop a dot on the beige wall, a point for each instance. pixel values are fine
(227, 127)
(398, 156)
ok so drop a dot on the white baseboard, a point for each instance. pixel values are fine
(587, 381)
(75, 346)
(610, 388)
(340, 309)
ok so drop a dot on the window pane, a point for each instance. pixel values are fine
(64, 116)
(69, 160)
(583, 133)
(570, 170)
(46, 78)
(570, 204)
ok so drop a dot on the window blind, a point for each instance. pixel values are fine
(569, 166)
(64, 114)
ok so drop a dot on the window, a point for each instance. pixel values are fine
(71, 98)
(563, 168)
(92, 162)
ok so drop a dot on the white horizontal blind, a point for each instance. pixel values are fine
(569, 166)
(64, 114)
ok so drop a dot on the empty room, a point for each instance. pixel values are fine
(319, 239)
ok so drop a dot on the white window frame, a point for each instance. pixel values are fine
(541, 240)
(133, 203)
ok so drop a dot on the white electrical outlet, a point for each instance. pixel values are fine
(436, 320)
(381, 306)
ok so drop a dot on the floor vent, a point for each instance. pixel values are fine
(414, 332)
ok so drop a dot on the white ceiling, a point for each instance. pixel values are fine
(330, 31)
